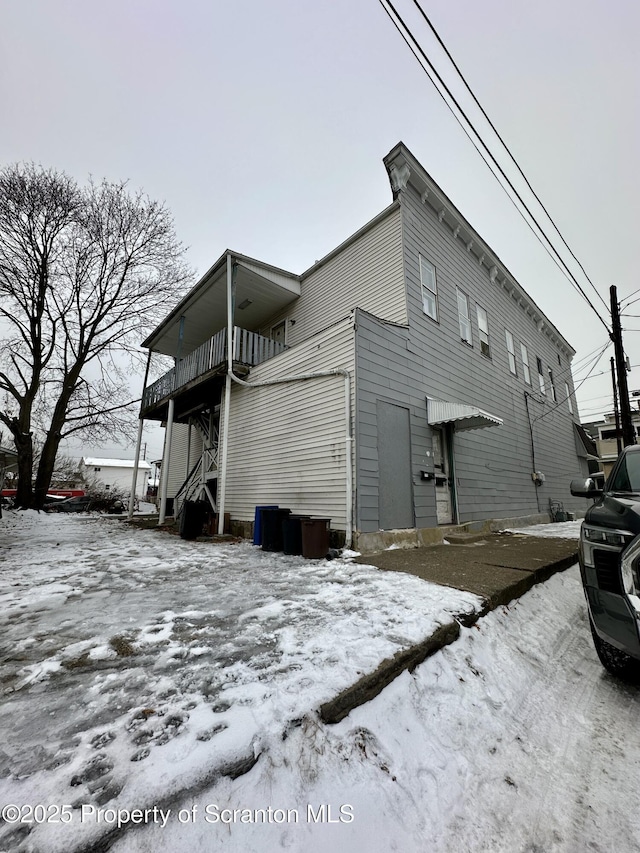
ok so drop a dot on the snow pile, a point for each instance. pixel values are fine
(136, 666)
(559, 530)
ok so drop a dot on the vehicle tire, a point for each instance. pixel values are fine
(614, 660)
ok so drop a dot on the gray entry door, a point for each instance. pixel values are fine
(395, 492)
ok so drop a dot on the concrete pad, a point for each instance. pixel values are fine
(498, 567)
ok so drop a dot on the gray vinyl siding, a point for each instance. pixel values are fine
(287, 442)
(366, 273)
(428, 358)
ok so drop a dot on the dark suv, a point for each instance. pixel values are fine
(610, 563)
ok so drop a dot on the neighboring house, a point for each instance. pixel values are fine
(8, 464)
(8, 469)
(116, 474)
(406, 381)
(605, 436)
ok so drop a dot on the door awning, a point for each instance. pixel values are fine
(441, 412)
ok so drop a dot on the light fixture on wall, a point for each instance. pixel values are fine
(244, 304)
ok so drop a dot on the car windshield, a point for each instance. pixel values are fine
(627, 477)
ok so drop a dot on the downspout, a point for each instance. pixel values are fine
(304, 377)
(138, 443)
(188, 465)
(222, 480)
(533, 447)
(164, 472)
(451, 430)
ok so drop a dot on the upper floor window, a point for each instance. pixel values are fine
(543, 389)
(552, 385)
(429, 289)
(525, 364)
(483, 331)
(279, 332)
(568, 396)
(511, 352)
(463, 317)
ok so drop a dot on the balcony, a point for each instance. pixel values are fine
(249, 349)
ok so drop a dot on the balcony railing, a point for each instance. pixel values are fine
(249, 348)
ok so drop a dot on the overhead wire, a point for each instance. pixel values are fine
(559, 262)
(506, 148)
(576, 387)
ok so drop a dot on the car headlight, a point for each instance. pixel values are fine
(605, 536)
(630, 564)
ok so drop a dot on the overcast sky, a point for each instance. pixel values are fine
(263, 126)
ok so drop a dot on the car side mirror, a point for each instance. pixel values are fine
(587, 487)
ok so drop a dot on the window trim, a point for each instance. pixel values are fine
(426, 264)
(467, 318)
(526, 367)
(568, 394)
(511, 352)
(541, 376)
(484, 344)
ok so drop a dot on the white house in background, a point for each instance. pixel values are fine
(116, 474)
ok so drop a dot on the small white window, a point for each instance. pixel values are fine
(429, 289)
(525, 364)
(463, 317)
(568, 397)
(552, 385)
(541, 376)
(511, 352)
(279, 332)
(483, 331)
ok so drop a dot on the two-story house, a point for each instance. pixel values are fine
(405, 382)
(608, 440)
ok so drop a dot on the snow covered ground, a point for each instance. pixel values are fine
(511, 739)
(134, 665)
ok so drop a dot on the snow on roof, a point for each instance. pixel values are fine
(96, 462)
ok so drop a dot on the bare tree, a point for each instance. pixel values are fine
(84, 273)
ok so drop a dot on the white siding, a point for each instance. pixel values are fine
(287, 442)
(118, 479)
(367, 273)
(178, 469)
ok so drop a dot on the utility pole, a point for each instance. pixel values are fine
(628, 432)
(616, 411)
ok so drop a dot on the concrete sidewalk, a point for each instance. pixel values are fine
(497, 567)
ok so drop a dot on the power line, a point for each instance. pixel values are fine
(567, 272)
(576, 387)
(507, 149)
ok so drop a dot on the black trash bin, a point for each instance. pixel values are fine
(194, 514)
(315, 538)
(272, 528)
(257, 524)
(292, 534)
